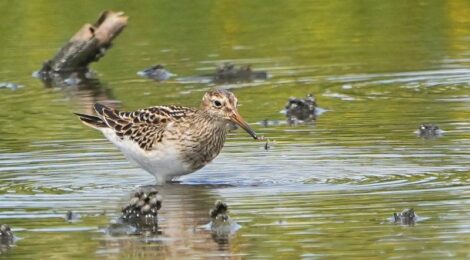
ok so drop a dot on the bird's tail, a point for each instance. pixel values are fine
(92, 121)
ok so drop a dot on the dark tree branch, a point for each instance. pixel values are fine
(89, 44)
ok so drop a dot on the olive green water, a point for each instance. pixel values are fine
(322, 191)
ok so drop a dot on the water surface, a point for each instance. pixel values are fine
(323, 190)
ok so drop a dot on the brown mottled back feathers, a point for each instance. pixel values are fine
(144, 126)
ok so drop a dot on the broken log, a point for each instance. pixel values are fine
(88, 45)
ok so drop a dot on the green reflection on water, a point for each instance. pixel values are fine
(332, 38)
(303, 44)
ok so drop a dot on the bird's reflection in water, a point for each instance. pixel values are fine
(82, 88)
(181, 228)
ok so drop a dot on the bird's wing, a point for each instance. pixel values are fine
(144, 126)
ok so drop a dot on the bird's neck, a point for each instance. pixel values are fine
(209, 134)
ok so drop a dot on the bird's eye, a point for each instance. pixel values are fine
(217, 103)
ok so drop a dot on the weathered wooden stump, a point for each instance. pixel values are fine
(89, 44)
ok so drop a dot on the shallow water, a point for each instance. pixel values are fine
(322, 190)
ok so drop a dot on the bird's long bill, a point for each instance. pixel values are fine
(237, 119)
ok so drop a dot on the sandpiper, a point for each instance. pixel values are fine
(170, 141)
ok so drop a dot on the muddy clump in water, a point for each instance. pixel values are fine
(229, 73)
(156, 72)
(429, 131)
(221, 225)
(406, 217)
(6, 237)
(301, 109)
(140, 215)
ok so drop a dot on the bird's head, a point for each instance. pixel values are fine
(223, 103)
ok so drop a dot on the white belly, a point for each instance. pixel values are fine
(164, 161)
